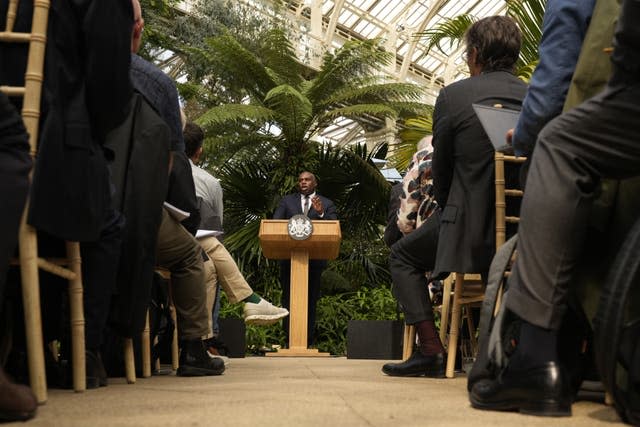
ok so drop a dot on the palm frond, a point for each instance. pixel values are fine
(248, 199)
(349, 64)
(414, 130)
(358, 111)
(354, 183)
(235, 113)
(529, 15)
(374, 93)
(292, 109)
(451, 29)
(279, 57)
(238, 66)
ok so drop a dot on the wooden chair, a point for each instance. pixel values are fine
(501, 196)
(468, 289)
(129, 357)
(69, 267)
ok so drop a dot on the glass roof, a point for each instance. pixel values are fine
(397, 20)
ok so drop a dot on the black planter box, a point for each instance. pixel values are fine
(374, 339)
(233, 334)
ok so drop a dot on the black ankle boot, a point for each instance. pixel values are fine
(17, 402)
(196, 362)
(96, 374)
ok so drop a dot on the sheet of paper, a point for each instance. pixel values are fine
(177, 213)
(200, 234)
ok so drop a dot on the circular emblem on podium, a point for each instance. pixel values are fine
(300, 227)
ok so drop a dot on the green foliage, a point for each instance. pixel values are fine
(415, 129)
(335, 311)
(451, 30)
(333, 314)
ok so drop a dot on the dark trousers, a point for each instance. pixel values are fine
(600, 138)
(99, 271)
(315, 273)
(15, 164)
(410, 259)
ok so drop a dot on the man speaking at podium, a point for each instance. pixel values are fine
(316, 207)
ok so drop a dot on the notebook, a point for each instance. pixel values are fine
(496, 122)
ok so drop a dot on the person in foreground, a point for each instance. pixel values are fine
(598, 139)
(316, 207)
(177, 249)
(17, 402)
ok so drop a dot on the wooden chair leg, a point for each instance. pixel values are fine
(444, 311)
(129, 361)
(471, 327)
(146, 349)
(409, 340)
(32, 314)
(454, 330)
(76, 309)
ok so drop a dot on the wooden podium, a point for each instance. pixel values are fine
(324, 243)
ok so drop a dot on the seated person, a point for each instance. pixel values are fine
(411, 261)
(463, 156)
(573, 153)
(221, 265)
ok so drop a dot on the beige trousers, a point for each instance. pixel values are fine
(222, 267)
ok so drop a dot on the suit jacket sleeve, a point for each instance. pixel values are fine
(329, 209)
(281, 210)
(443, 143)
(107, 30)
(563, 30)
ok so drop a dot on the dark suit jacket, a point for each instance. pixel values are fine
(86, 93)
(463, 170)
(290, 205)
(139, 174)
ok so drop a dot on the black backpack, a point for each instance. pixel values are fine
(617, 330)
(496, 330)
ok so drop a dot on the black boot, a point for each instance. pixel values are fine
(96, 374)
(196, 362)
(541, 390)
(417, 365)
(17, 402)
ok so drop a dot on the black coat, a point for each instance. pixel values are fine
(86, 93)
(140, 177)
(463, 170)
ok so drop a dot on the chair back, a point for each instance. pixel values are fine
(503, 194)
(37, 40)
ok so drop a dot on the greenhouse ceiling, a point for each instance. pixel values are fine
(324, 25)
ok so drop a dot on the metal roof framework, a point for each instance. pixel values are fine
(327, 24)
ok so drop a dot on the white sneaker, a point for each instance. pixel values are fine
(263, 313)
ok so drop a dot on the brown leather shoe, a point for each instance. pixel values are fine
(17, 402)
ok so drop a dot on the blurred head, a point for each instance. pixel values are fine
(493, 44)
(138, 26)
(193, 137)
(307, 182)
